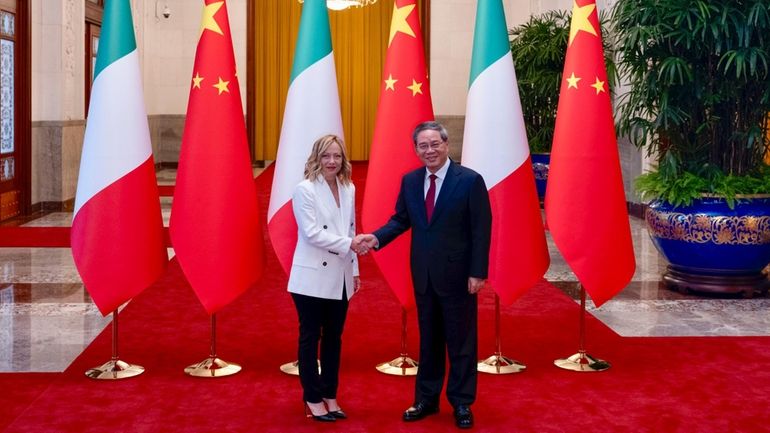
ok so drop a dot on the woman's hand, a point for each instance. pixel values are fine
(356, 284)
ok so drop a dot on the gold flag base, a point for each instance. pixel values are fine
(499, 364)
(582, 361)
(292, 368)
(212, 367)
(401, 366)
(114, 369)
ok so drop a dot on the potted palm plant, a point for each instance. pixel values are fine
(538, 48)
(698, 104)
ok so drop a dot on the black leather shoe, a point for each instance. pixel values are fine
(463, 416)
(339, 414)
(419, 411)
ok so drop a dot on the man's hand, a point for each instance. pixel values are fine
(475, 284)
(368, 240)
(359, 246)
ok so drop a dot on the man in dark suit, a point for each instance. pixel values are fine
(447, 208)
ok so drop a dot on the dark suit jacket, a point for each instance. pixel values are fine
(455, 243)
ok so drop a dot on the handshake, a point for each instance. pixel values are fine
(362, 243)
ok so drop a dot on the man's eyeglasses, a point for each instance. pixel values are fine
(422, 147)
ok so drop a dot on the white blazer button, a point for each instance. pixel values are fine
(324, 263)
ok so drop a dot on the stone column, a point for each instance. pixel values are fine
(57, 100)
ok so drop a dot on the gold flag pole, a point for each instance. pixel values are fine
(497, 363)
(403, 365)
(212, 366)
(115, 368)
(582, 361)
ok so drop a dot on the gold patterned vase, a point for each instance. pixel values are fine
(712, 248)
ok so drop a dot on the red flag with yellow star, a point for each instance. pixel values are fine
(585, 203)
(404, 103)
(214, 217)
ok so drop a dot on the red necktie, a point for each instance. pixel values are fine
(430, 197)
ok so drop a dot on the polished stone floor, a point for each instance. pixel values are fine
(47, 318)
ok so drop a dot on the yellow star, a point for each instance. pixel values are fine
(415, 88)
(580, 21)
(398, 22)
(598, 85)
(197, 81)
(390, 83)
(572, 81)
(222, 86)
(207, 21)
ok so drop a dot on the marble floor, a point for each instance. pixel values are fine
(47, 318)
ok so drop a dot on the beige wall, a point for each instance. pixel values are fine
(168, 51)
(452, 23)
(57, 59)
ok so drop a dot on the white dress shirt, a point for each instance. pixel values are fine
(440, 175)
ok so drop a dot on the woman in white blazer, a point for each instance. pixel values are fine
(324, 271)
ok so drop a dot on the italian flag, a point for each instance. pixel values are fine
(117, 229)
(495, 145)
(312, 110)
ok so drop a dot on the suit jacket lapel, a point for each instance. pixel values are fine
(447, 187)
(344, 199)
(415, 196)
(326, 198)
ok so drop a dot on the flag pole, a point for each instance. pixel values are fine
(402, 365)
(582, 361)
(498, 363)
(212, 366)
(114, 368)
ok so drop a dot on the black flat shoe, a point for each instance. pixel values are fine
(463, 416)
(338, 414)
(327, 417)
(419, 411)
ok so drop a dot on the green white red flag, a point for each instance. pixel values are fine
(312, 110)
(495, 145)
(117, 229)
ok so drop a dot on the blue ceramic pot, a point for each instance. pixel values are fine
(540, 164)
(709, 238)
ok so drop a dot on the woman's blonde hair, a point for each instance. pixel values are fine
(313, 167)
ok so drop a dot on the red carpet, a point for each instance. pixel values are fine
(655, 384)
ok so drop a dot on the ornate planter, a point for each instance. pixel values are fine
(712, 248)
(540, 164)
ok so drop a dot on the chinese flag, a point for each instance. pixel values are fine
(404, 103)
(585, 204)
(214, 217)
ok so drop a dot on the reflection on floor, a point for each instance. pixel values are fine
(47, 317)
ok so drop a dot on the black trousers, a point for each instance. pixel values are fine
(448, 325)
(320, 320)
